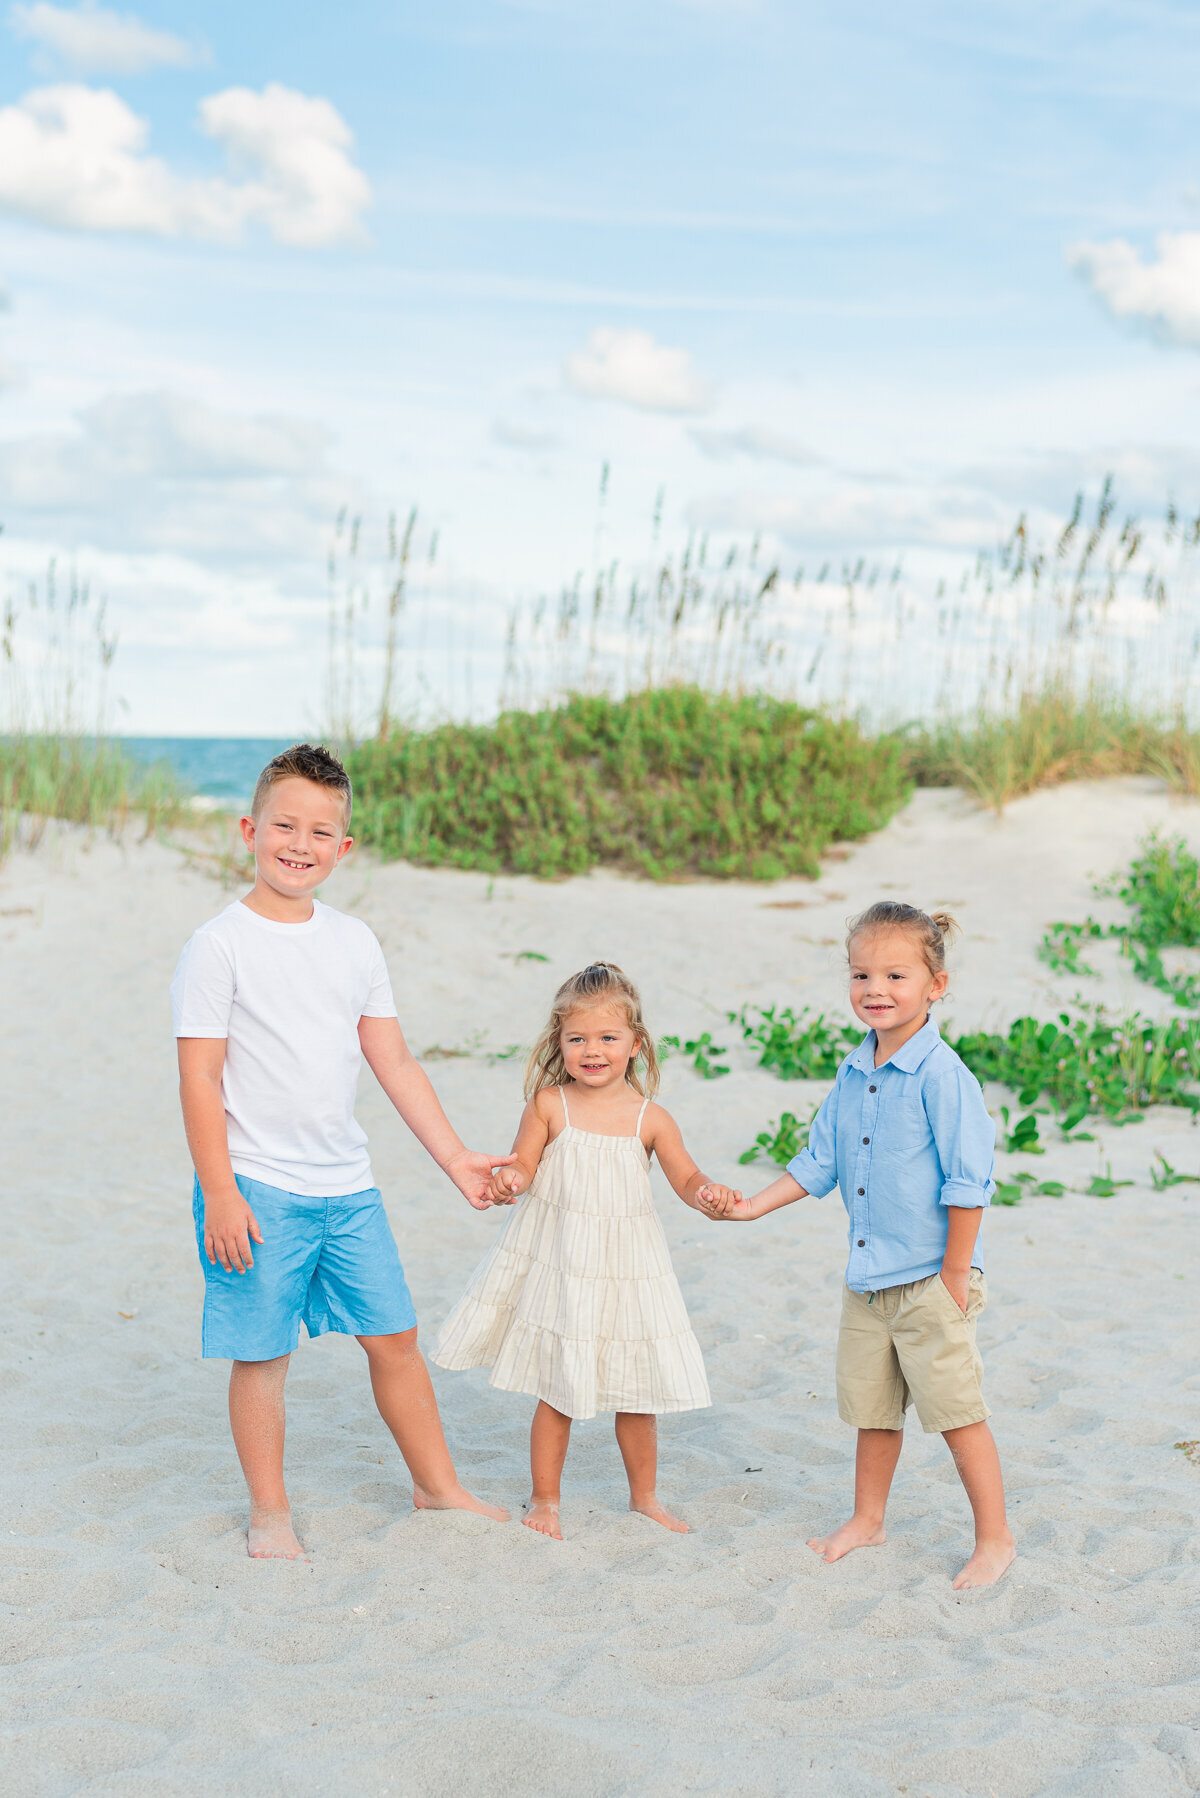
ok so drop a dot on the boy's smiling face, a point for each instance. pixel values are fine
(891, 987)
(298, 838)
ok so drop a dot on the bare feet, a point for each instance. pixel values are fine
(271, 1537)
(855, 1534)
(542, 1515)
(456, 1499)
(990, 1560)
(659, 1514)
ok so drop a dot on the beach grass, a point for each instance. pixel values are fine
(80, 780)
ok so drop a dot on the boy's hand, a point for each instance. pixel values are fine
(722, 1201)
(229, 1225)
(958, 1285)
(506, 1184)
(472, 1174)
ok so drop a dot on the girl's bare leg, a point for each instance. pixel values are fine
(548, 1438)
(637, 1438)
(874, 1464)
(404, 1397)
(975, 1456)
(256, 1414)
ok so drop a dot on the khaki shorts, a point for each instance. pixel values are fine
(910, 1345)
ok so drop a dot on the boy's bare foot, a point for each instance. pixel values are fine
(990, 1560)
(271, 1537)
(851, 1535)
(542, 1516)
(658, 1513)
(457, 1499)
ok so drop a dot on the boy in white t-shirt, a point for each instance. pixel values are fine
(275, 1002)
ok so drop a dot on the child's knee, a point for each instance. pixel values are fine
(402, 1346)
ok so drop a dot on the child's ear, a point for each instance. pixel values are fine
(938, 989)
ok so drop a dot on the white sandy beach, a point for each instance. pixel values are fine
(444, 1656)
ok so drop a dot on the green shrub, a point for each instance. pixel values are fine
(665, 783)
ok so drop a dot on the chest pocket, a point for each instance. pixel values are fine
(903, 1125)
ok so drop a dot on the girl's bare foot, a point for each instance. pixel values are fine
(271, 1537)
(456, 1499)
(542, 1515)
(658, 1513)
(990, 1560)
(855, 1534)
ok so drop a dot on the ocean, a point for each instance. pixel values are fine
(222, 769)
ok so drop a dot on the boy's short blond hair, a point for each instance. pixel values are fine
(304, 761)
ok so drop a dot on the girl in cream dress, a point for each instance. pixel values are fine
(577, 1304)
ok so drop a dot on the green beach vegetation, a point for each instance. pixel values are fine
(57, 760)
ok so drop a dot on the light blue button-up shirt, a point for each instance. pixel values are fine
(902, 1141)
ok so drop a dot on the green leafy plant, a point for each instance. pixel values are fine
(796, 1045)
(1163, 1175)
(1022, 1139)
(779, 1142)
(1011, 1192)
(1085, 1064)
(703, 1051)
(1062, 946)
(1103, 1186)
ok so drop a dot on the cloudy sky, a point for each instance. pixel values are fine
(854, 276)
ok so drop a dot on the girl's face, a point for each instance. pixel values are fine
(597, 1046)
(890, 982)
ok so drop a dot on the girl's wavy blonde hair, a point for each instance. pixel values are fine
(600, 983)
(929, 930)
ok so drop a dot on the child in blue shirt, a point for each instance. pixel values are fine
(906, 1136)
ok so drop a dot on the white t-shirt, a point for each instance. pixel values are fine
(287, 999)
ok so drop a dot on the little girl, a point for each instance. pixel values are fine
(577, 1304)
(906, 1136)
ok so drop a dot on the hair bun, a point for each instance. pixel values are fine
(944, 922)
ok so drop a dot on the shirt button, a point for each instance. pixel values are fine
(862, 1242)
(866, 1139)
(862, 1192)
(872, 1089)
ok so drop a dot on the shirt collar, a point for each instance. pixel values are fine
(908, 1058)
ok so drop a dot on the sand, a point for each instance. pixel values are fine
(145, 1655)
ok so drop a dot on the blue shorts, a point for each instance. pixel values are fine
(331, 1262)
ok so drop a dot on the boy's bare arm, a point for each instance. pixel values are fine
(962, 1229)
(229, 1223)
(784, 1191)
(410, 1089)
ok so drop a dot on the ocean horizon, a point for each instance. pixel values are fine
(220, 769)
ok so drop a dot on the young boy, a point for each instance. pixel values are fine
(275, 1002)
(906, 1136)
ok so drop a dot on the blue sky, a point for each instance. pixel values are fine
(855, 277)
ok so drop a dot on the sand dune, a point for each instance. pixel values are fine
(145, 1656)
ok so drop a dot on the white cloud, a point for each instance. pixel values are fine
(758, 441)
(632, 367)
(153, 472)
(93, 41)
(75, 157)
(1164, 294)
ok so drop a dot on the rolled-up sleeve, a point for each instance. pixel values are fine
(963, 1133)
(815, 1168)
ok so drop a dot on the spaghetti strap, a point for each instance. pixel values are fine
(562, 1093)
(637, 1128)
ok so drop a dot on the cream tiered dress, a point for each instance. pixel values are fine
(578, 1303)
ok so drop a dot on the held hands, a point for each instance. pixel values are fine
(722, 1202)
(229, 1225)
(507, 1184)
(473, 1175)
